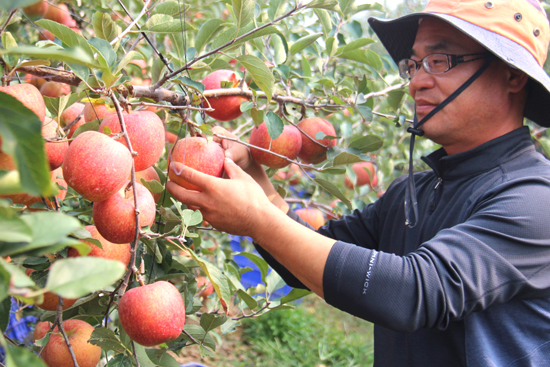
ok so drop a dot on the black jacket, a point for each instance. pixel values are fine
(470, 284)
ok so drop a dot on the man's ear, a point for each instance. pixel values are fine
(517, 79)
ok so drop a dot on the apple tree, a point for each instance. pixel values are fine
(111, 92)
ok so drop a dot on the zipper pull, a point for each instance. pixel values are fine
(439, 181)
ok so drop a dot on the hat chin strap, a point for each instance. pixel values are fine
(411, 204)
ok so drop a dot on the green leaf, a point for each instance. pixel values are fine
(5, 307)
(211, 321)
(257, 116)
(244, 12)
(294, 294)
(262, 32)
(346, 5)
(10, 5)
(67, 35)
(347, 156)
(170, 7)
(326, 21)
(57, 105)
(5, 278)
(161, 358)
(207, 31)
(107, 340)
(132, 55)
(355, 44)
(162, 23)
(276, 9)
(365, 111)
(92, 125)
(273, 282)
(198, 86)
(199, 334)
(191, 217)
(144, 360)
(324, 4)
(303, 43)
(260, 263)
(395, 98)
(332, 189)
(69, 55)
(368, 143)
(248, 299)
(105, 49)
(246, 106)
(280, 49)
(76, 277)
(21, 131)
(19, 356)
(260, 73)
(49, 227)
(374, 60)
(274, 125)
(221, 283)
(153, 185)
(13, 229)
(120, 360)
(105, 27)
(331, 47)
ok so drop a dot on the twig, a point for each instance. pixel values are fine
(135, 243)
(131, 25)
(267, 151)
(7, 22)
(59, 322)
(135, 354)
(191, 337)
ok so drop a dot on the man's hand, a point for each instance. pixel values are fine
(237, 205)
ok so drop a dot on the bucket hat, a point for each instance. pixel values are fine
(516, 31)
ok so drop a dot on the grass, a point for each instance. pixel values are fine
(314, 334)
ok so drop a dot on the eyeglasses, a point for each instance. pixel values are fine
(435, 63)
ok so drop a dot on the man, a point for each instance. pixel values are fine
(467, 281)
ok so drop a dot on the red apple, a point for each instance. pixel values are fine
(204, 287)
(96, 111)
(312, 152)
(152, 314)
(70, 114)
(56, 353)
(36, 10)
(171, 137)
(35, 80)
(109, 250)
(363, 177)
(30, 96)
(199, 154)
(314, 217)
(226, 107)
(115, 217)
(287, 144)
(54, 89)
(58, 13)
(96, 166)
(146, 132)
(55, 151)
(41, 330)
(149, 174)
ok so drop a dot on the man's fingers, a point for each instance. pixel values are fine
(232, 170)
(187, 197)
(182, 174)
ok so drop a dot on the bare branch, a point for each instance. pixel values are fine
(131, 25)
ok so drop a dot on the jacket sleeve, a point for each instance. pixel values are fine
(500, 252)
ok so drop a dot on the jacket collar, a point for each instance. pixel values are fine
(482, 158)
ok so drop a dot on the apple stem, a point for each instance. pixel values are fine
(59, 323)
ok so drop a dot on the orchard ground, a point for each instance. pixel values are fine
(314, 334)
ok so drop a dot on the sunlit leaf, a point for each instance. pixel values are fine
(105, 27)
(260, 73)
(206, 32)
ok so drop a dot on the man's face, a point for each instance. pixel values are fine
(468, 120)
